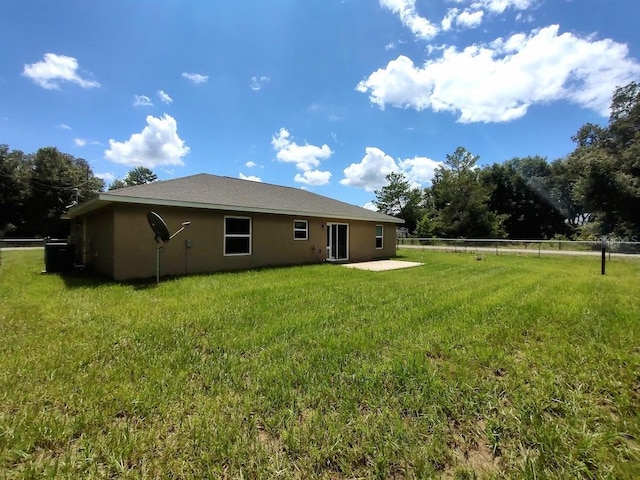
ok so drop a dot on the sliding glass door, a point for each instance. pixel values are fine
(337, 241)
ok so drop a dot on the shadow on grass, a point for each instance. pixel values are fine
(79, 279)
(87, 279)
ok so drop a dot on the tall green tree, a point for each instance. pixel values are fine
(459, 201)
(135, 176)
(15, 169)
(116, 184)
(565, 175)
(57, 182)
(522, 192)
(608, 160)
(400, 199)
(140, 176)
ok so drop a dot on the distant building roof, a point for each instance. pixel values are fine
(232, 194)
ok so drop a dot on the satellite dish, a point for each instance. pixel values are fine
(159, 227)
(162, 233)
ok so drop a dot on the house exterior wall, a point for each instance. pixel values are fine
(93, 236)
(272, 242)
(362, 241)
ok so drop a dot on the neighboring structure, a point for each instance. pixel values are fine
(235, 225)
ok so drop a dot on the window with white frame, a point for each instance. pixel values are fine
(379, 235)
(300, 230)
(237, 235)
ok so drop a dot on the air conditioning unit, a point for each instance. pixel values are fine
(58, 256)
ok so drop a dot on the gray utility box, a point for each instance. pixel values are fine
(58, 256)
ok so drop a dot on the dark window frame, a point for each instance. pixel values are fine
(380, 237)
(233, 236)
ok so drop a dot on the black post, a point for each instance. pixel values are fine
(604, 258)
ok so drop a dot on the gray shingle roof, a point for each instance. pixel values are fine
(226, 193)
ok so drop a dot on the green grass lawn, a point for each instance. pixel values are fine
(511, 366)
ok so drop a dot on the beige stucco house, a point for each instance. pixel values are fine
(235, 225)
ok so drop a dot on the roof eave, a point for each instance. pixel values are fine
(86, 207)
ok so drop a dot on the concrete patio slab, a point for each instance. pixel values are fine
(382, 265)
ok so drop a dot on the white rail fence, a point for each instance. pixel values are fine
(21, 242)
(613, 245)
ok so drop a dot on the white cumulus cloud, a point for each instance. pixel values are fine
(470, 19)
(164, 97)
(498, 82)
(157, 145)
(108, 177)
(195, 77)
(419, 170)
(305, 157)
(251, 164)
(142, 101)
(54, 69)
(251, 178)
(471, 16)
(80, 142)
(400, 84)
(406, 10)
(448, 19)
(313, 177)
(370, 173)
(499, 6)
(466, 18)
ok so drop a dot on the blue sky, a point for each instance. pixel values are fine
(327, 95)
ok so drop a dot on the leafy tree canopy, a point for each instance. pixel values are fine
(135, 176)
(458, 201)
(606, 166)
(400, 199)
(522, 191)
(36, 189)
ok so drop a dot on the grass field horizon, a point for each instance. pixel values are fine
(512, 366)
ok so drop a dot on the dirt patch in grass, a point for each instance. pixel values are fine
(269, 440)
(470, 452)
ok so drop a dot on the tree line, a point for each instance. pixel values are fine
(594, 191)
(36, 189)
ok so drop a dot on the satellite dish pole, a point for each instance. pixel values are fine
(162, 233)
